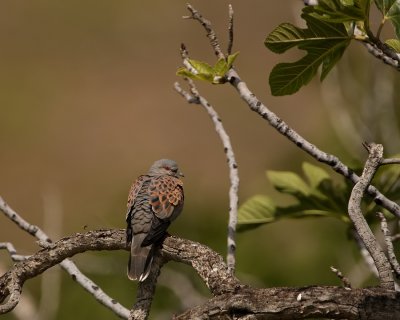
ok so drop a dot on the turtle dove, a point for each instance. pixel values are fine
(155, 200)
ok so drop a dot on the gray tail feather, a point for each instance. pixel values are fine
(140, 259)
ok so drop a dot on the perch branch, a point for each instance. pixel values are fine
(299, 303)
(66, 265)
(195, 97)
(231, 299)
(361, 225)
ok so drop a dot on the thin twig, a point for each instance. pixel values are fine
(195, 97)
(12, 251)
(390, 161)
(361, 225)
(230, 30)
(396, 237)
(67, 265)
(210, 32)
(345, 281)
(382, 54)
(389, 245)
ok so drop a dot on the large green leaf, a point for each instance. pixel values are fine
(288, 182)
(340, 11)
(314, 174)
(324, 42)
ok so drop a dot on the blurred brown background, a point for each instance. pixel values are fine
(87, 104)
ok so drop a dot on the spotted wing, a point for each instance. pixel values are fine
(166, 200)
(166, 197)
(133, 192)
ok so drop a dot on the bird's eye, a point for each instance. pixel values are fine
(174, 170)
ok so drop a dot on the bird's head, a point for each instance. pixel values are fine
(165, 166)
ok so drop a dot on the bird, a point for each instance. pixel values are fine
(155, 199)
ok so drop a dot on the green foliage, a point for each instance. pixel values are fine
(330, 28)
(324, 45)
(391, 11)
(315, 195)
(200, 70)
(394, 44)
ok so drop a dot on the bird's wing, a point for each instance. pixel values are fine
(166, 196)
(133, 192)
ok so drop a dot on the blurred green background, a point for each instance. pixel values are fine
(87, 104)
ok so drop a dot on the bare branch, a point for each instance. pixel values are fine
(230, 30)
(389, 245)
(230, 297)
(384, 53)
(11, 282)
(361, 225)
(211, 35)
(345, 281)
(195, 97)
(390, 161)
(67, 265)
(12, 251)
(299, 303)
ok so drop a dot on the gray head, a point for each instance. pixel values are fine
(165, 166)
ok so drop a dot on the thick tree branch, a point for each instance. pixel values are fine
(361, 225)
(300, 303)
(231, 299)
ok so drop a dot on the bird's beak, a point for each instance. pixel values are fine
(181, 174)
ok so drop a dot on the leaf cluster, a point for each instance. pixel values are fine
(315, 195)
(200, 70)
(331, 25)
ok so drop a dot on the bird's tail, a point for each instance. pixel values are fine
(140, 259)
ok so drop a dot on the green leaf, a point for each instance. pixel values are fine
(340, 11)
(391, 11)
(314, 174)
(231, 59)
(393, 14)
(203, 71)
(258, 209)
(394, 44)
(288, 182)
(385, 5)
(324, 42)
